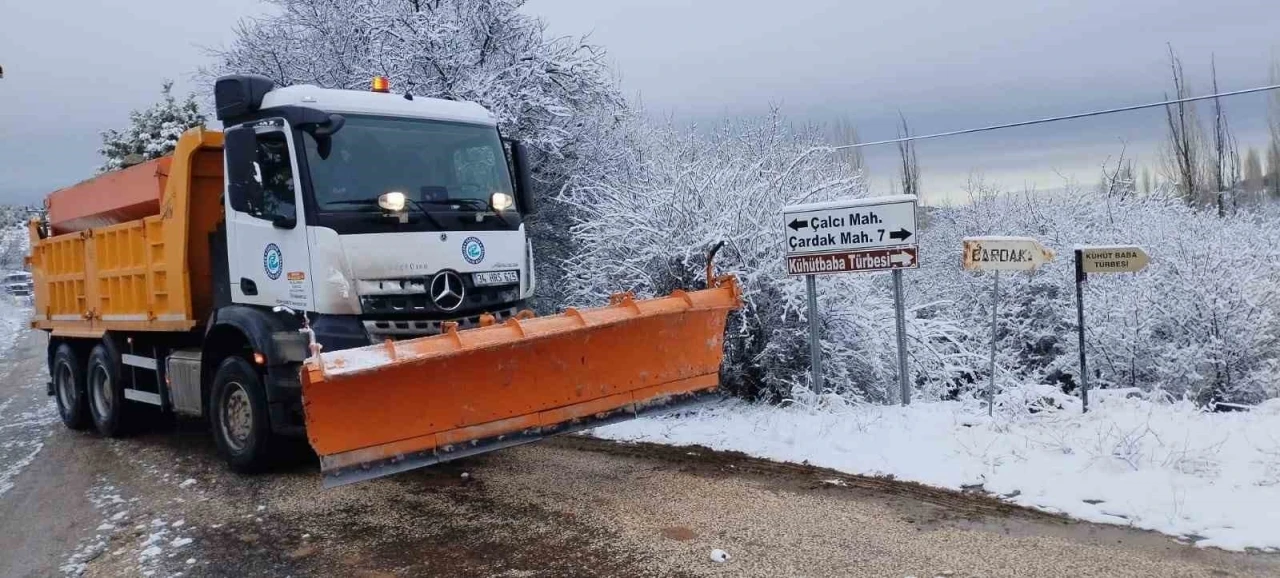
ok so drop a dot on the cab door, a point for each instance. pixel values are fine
(268, 255)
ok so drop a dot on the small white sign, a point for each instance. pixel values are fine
(850, 225)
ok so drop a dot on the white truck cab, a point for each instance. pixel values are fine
(380, 215)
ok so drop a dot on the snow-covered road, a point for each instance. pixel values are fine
(25, 414)
(1209, 478)
(161, 504)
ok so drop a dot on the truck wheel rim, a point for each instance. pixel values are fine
(237, 417)
(100, 383)
(64, 381)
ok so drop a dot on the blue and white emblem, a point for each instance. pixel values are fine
(272, 261)
(473, 250)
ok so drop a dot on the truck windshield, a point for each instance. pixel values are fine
(432, 162)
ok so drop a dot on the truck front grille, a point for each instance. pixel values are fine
(382, 329)
(477, 299)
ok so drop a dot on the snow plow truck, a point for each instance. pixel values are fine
(347, 266)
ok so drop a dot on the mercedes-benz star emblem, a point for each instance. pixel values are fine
(447, 290)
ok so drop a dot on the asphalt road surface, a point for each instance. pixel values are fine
(160, 503)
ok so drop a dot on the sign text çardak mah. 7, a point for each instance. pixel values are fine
(853, 225)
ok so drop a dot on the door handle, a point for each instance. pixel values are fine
(248, 287)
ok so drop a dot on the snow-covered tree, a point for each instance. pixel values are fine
(152, 132)
(1185, 148)
(647, 229)
(1272, 178)
(1252, 172)
(1201, 321)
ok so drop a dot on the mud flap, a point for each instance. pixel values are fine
(383, 409)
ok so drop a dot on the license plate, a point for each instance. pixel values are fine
(496, 278)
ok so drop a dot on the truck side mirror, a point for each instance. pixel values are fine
(323, 133)
(524, 178)
(244, 185)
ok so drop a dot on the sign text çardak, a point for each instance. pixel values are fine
(1004, 254)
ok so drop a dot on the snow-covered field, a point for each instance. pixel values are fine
(1211, 478)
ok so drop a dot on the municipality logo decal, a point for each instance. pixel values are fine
(473, 250)
(272, 261)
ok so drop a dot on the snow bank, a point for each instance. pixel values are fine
(1212, 478)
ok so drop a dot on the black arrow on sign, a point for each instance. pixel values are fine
(900, 235)
(797, 224)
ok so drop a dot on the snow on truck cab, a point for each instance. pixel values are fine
(350, 266)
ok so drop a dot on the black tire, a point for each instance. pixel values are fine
(239, 416)
(68, 387)
(105, 391)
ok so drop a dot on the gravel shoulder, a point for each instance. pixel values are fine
(161, 504)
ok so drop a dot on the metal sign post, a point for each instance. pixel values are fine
(854, 235)
(998, 254)
(904, 385)
(1109, 259)
(995, 307)
(1084, 364)
(815, 344)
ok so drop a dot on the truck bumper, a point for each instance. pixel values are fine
(284, 401)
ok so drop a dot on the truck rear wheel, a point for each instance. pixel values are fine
(239, 415)
(106, 392)
(68, 387)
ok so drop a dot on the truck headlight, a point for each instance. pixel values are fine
(393, 201)
(501, 201)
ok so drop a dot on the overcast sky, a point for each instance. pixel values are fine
(70, 73)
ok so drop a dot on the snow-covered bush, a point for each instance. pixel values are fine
(152, 133)
(647, 229)
(1199, 322)
(554, 93)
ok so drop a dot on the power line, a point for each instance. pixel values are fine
(1058, 118)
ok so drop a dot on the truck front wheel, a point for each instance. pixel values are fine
(68, 387)
(239, 416)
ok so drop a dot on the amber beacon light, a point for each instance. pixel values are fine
(381, 84)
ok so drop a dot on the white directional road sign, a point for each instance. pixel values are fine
(875, 234)
(851, 225)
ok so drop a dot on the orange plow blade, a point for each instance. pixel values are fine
(382, 409)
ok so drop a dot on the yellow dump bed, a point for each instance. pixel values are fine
(150, 274)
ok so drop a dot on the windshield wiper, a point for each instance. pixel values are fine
(483, 205)
(374, 201)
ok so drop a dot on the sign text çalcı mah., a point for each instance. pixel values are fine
(853, 235)
(850, 225)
